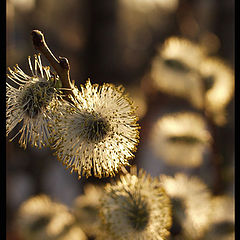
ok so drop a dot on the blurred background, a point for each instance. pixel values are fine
(117, 41)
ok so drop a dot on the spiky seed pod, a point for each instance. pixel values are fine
(31, 100)
(136, 207)
(98, 133)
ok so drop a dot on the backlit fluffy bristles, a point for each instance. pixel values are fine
(180, 139)
(86, 208)
(136, 207)
(174, 70)
(36, 216)
(30, 100)
(191, 202)
(98, 133)
(219, 85)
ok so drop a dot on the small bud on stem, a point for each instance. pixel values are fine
(61, 66)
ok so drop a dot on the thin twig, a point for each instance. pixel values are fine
(61, 66)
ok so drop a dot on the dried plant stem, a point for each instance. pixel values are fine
(60, 65)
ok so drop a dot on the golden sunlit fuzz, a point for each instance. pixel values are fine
(174, 70)
(98, 133)
(86, 210)
(36, 218)
(30, 99)
(191, 203)
(223, 219)
(219, 86)
(180, 139)
(136, 207)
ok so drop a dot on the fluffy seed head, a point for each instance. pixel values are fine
(136, 207)
(31, 100)
(191, 202)
(98, 132)
(182, 137)
(36, 216)
(36, 96)
(174, 70)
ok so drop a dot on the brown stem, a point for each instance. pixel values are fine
(61, 66)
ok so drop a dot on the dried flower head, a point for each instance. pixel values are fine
(174, 70)
(219, 86)
(36, 217)
(136, 207)
(98, 132)
(180, 139)
(86, 208)
(191, 202)
(30, 99)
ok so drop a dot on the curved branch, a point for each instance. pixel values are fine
(61, 65)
